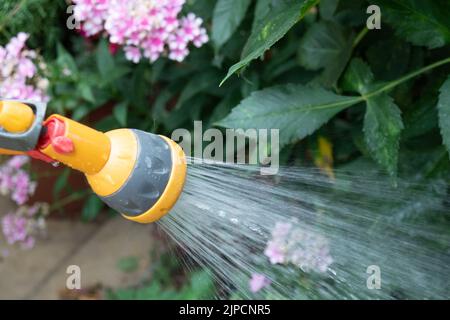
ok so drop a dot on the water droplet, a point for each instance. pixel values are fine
(148, 162)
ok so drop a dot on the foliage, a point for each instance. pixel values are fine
(197, 284)
(43, 19)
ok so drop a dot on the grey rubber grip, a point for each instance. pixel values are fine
(149, 178)
(28, 140)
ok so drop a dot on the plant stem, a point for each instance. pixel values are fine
(407, 77)
(69, 199)
(359, 37)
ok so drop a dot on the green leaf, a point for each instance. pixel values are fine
(203, 81)
(422, 118)
(80, 112)
(326, 45)
(296, 110)
(61, 183)
(271, 29)
(120, 112)
(358, 77)
(201, 286)
(444, 112)
(262, 9)
(422, 22)
(327, 8)
(105, 61)
(382, 122)
(228, 15)
(91, 208)
(382, 127)
(65, 60)
(390, 58)
(86, 92)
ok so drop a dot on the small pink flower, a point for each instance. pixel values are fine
(178, 54)
(18, 75)
(274, 252)
(133, 54)
(26, 68)
(258, 282)
(178, 41)
(201, 39)
(14, 228)
(302, 248)
(191, 26)
(17, 162)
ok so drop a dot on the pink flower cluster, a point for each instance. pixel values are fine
(22, 226)
(258, 281)
(305, 249)
(146, 28)
(19, 77)
(15, 182)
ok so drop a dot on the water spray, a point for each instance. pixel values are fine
(324, 235)
(136, 173)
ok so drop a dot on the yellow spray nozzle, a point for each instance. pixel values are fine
(139, 174)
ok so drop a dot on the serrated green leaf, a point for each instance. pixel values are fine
(358, 77)
(382, 127)
(326, 45)
(228, 15)
(444, 112)
(294, 109)
(422, 22)
(382, 122)
(271, 29)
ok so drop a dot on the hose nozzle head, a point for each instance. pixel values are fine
(143, 176)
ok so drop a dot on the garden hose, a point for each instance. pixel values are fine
(139, 174)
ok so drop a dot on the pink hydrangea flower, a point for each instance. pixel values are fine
(258, 282)
(19, 78)
(145, 28)
(23, 225)
(14, 228)
(303, 248)
(17, 162)
(133, 54)
(16, 182)
(274, 252)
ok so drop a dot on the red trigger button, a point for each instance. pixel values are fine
(62, 144)
(55, 136)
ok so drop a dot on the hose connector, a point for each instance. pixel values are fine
(136, 173)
